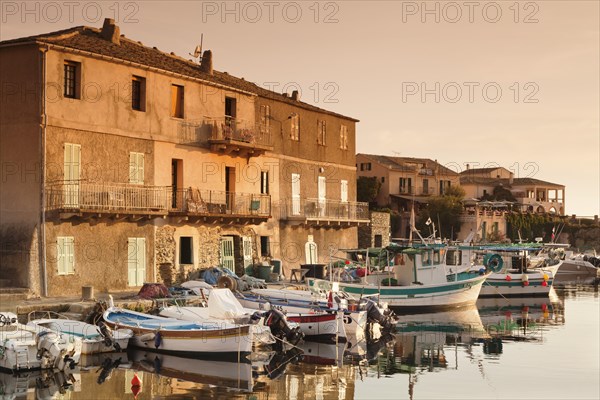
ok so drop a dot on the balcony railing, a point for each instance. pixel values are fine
(116, 198)
(213, 202)
(242, 132)
(324, 210)
(426, 191)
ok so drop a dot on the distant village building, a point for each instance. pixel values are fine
(405, 181)
(123, 164)
(486, 202)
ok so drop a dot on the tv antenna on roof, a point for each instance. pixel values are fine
(198, 50)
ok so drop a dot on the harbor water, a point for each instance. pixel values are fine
(533, 348)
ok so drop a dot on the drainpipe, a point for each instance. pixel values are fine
(43, 125)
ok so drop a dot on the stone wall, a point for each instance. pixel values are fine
(380, 225)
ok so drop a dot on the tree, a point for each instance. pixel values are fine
(444, 211)
(500, 193)
(367, 188)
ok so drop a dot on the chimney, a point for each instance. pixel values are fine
(511, 178)
(207, 63)
(285, 94)
(295, 95)
(110, 31)
(467, 166)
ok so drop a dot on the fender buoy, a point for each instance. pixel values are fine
(227, 282)
(544, 283)
(157, 340)
(330, 300)
(508, 278)
(546, 277)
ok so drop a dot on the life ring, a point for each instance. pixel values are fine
(227, 282)
(493, 262)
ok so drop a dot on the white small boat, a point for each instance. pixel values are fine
(222, 306)
(95, 339)
(191, 339)
(25, 348)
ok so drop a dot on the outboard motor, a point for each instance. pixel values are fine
(280, 327)
(374, 315)
(106, 333)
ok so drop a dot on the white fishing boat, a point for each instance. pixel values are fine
(191, 339)
(26, 348)
(512, 274)
(95, 339)
(417, 280)
(222, 306)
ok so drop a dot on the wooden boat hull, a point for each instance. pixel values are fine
(189, 339)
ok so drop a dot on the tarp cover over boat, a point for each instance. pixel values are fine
(223, 304)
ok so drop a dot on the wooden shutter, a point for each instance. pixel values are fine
(66, 255)
(344, 191)
(295, 194)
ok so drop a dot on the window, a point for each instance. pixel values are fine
(230, 111)
(425, 186)
(264, 182)
(496, 227)
(72, 80)
(177, 101)
(378, 241)
(265, 119)
(138, 93)
(444, 185)
(66, 255)
(295, 127)
(321, 132)
(344, 191)
(186, 250)
(383, 179)
(136, 168)
(484, 230)
(344, 137)
(406, 185)
(265, 249)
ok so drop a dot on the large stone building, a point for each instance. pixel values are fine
(123, 164)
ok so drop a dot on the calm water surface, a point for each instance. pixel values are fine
(501, 349)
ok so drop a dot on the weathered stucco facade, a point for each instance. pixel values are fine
(123, 164)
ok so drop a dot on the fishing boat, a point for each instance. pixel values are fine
(26, 348)
(95, 339)
(222, 306)
(417, 280)
(512, 273)
(191, 339)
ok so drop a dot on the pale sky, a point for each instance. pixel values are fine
(509, 83)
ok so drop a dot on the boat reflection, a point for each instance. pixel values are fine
(519, 319)
(44, 384)
(224, 374)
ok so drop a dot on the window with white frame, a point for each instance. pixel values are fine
(295, 127)
(264, 182)
(321, 132)
(136, 168)
(66, 255)
(344, 137)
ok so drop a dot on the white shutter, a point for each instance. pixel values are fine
(295, 194)
(136, 261)
(66, 255)
(136, 168)
(322, 195)
(247, 247)
(344, 191)
(71, 174)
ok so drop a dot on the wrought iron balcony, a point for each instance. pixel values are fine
(79, 197)
(326, 212)
(232, 135)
